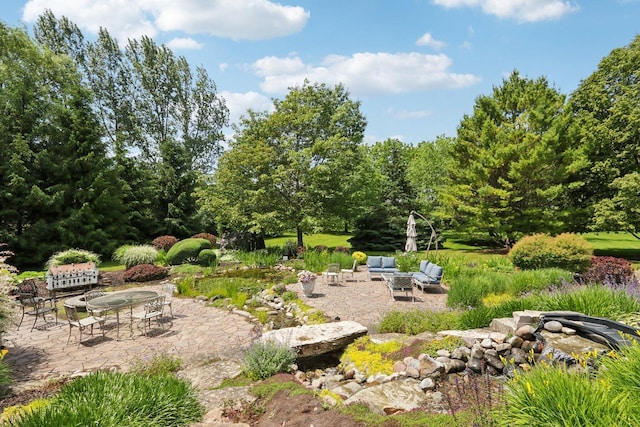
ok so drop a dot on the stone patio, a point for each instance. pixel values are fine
(210, 341)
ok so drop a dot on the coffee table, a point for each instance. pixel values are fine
(399, 282)
(116, 301)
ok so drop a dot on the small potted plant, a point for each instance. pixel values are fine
(307, 280)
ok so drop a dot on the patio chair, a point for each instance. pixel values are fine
(167, 291)
(81, 323)
(88, 296)
(349, 270)
(152, 310)
(331, 274)
(35, 306)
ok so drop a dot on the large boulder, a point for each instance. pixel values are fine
(316, 340)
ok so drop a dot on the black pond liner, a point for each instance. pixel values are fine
(598, 329)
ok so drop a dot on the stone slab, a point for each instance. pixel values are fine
(316, 340)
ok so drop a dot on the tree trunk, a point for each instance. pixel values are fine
(299, 231)
(346, 227)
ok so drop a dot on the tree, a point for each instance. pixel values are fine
(60, 188)
(383, 226)
(510, 163)
(287, 168)
(607, 120)
(427, 171)
(161, 120)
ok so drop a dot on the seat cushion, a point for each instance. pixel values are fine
(423, 265)
(436, 273)
(374, 262)
(388, 262)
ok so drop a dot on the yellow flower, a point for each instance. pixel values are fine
(529, 389)
(3, 353)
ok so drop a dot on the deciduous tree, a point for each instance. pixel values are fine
(289, 167)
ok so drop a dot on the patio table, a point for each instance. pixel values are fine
(116, 301)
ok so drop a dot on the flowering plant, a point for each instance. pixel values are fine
(306, 276)
(361, 257)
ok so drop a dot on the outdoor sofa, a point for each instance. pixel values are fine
(380, 265)
(430, 274)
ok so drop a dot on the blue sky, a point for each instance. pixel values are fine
(416, 66)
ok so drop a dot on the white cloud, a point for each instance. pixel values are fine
(239, 103)
(428, 40)
(407, 115)
(235, 19)
(184, 44)
(124, 19)
(520, 10)
(364, 73)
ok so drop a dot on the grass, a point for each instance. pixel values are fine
(116, 399)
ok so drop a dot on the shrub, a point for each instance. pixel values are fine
(609, 269)
(130, 255)
(72, 256)
(186, 251)
(207, 257)
(264, 359)
(566, 251)
(164, 242)
(320, 248)
(210, 237)
(290, 249)
(145, 273)
(342, 250)
(111, 399)
(361, 257)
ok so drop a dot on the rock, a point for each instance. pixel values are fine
(431, 368)
(526, 317)
(503, 349)
(519, 356)
(515, 341)
(526, 332)
(568, 331)
(475, 365)
(461, 353)
(494, 361)
(497, 337)
(486, 343)
(477, 352)
(443, 353)
(437, 397)
(527, 345)
(553, 326)
(455, 365)
(427, 384)
(401, 395)
(347, 389)
(314, 340)
(350, 374)
(399, 367)
(412, 372)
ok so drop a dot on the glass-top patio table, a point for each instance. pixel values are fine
(116, 301)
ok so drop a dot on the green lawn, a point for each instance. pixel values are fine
(311, 240)
(622, 245)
